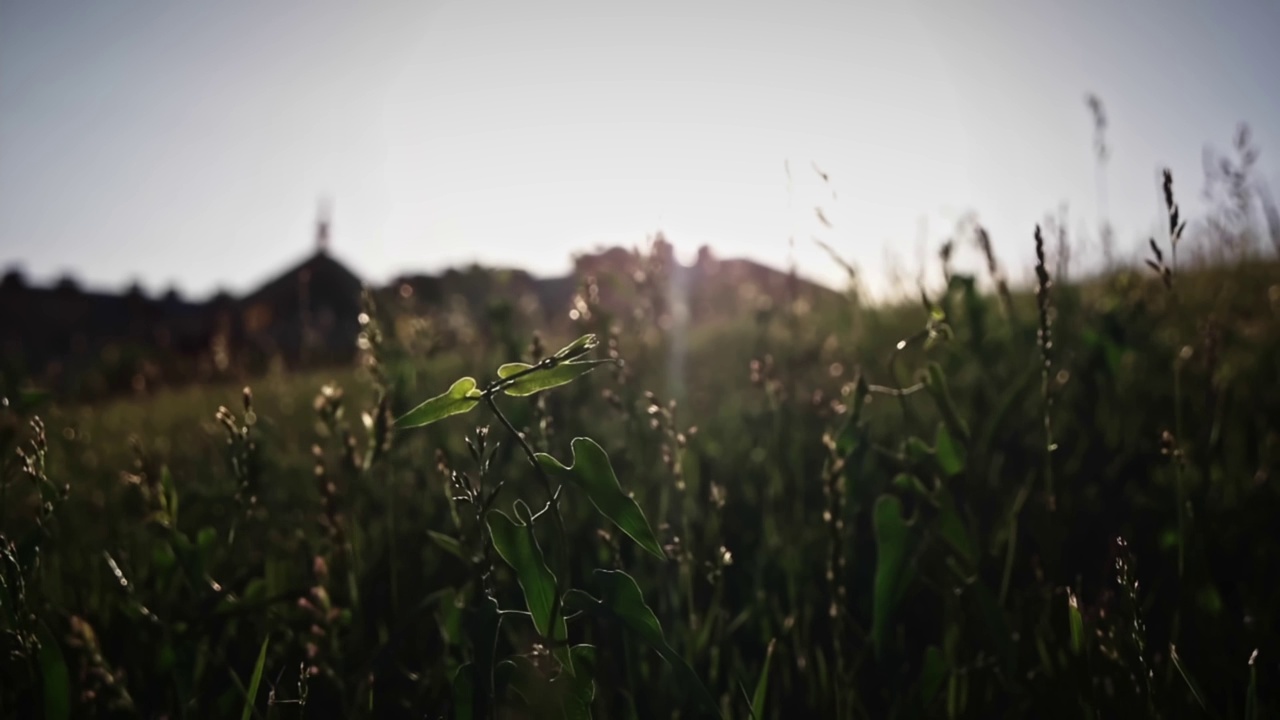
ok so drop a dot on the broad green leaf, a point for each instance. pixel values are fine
(577, 347)
(252, 693)
(891, 559)
(932, 675)
(950, 455)
(449, 543)
(516, 543)
(762, 685)
(623, 602)
(592, 472)
(544, 378)
(55, 681)
(459, 398)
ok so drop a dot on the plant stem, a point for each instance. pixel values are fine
(552, 499)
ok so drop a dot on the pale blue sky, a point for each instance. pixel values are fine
(189, 142)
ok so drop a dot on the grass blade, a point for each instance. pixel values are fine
(762, 685)
(448, 543)
(255, 680)
(1251, 697)
(1191, 683)
(1077, 623)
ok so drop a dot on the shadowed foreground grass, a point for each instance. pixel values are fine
(856, 512)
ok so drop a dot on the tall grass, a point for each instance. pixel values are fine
(832, 512)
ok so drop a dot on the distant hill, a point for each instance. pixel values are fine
(92, 343)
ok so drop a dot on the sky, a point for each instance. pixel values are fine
(189, 144)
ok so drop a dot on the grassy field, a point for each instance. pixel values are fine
(1055, 504)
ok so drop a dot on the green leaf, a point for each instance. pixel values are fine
(932, 675)
(891, 558)
(255, 680)
(55, 681)
(623, 602)
(950, 455)
(592, 472)
(762, 685)
(1077, 623)
(582, 345)
(449, 543)
(516, 543)
(459, 398)
(544, 378)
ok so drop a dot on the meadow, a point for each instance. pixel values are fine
(991, 501)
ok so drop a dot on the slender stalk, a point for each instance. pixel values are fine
(562, 558)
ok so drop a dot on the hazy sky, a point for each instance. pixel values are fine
(190, 142)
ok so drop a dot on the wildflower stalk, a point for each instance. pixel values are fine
(1045, 334)
(1044, 337)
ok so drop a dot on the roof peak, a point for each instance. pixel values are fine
(323, 224)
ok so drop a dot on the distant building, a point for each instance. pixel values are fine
(91, 343)
(307, 315)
